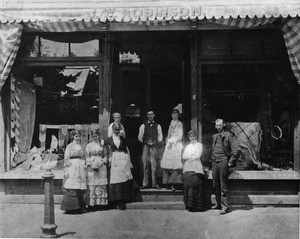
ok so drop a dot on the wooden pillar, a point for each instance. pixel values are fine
(148, 88)
(194, 63)
(195, 84)
(199, 102)
(2, 138)
(105, 76)
(297, 138)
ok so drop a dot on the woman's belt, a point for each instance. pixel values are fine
(99, 154)
(76, 157)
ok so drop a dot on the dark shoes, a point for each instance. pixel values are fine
(216, 206)
(153, 187)
(156, 187)
(121, 207)
(223, 212)
(78, 211)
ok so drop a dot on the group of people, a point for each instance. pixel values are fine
(183, 165)
(100, 174)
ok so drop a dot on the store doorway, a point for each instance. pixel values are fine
(166, 93)
(157, 87)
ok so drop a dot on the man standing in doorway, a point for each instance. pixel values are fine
(224, 153)
(150, 134)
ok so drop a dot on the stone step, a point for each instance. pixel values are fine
(165, 202)
(156, 205)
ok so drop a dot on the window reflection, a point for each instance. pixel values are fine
(68, 95)
(65, 46)
(129, 58)
(54, 49)
(90, 48)
(35, 48)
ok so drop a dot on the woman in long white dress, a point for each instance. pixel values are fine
(171, 160)
(74, 184)
(96, 164)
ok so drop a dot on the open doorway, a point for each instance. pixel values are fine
(166, 93)
(158, 87)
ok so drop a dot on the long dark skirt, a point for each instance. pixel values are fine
(193, 195)
(73, 199)
(121, 192)
(171, 176)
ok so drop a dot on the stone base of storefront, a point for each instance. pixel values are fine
(247, 189)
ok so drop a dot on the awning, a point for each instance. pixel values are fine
(134, 10)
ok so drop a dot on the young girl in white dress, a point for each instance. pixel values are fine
(96, 164)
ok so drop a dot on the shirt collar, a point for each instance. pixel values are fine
(222, 134)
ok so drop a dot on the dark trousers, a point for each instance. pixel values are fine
(220, 182)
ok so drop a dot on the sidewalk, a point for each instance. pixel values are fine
(25, 221)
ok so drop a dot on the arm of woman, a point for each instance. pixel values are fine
(122, 131)
(197, 151)
(109, 154)
(87, 156)
(67, 156)
(109, 131)
(185, 153)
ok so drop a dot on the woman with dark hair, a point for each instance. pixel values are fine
(96, 161)
(74, 183)
(120, 181)
(171, 159)
(193, 175)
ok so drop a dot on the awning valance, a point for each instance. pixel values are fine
(134, 10)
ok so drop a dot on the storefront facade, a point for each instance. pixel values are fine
(70, 67)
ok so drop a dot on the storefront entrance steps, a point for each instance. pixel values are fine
(246, 188)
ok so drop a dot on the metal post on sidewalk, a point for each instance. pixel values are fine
(49, 226)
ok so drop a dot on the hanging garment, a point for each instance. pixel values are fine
(26, 114)
(63, 136)
(42, 136)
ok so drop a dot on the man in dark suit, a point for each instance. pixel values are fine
(225, 152)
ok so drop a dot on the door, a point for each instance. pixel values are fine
(132, 105)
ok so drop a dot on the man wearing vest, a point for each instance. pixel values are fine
(224, 153)
(150, 134)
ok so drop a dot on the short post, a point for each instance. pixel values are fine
(49, 226)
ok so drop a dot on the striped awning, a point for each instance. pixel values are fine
(135, 10)
(10, 39)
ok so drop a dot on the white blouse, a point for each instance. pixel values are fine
(192, 154)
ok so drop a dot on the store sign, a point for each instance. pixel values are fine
(126, 14)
